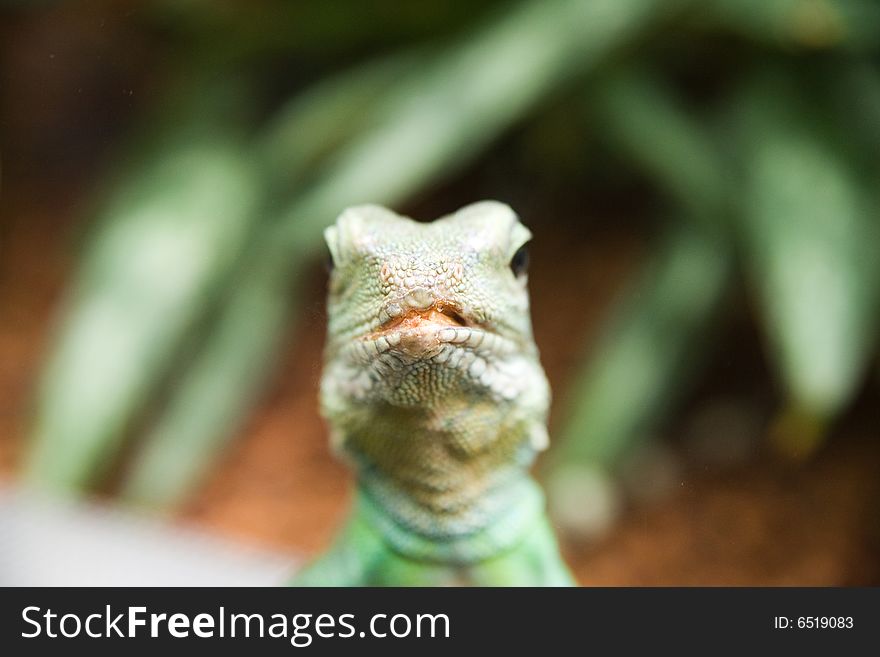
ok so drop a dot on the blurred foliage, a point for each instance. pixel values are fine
(809, 227)
(765, 166)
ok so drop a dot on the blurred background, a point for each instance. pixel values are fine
(701, 179)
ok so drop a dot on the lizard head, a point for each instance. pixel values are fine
(392, 277)
(449, 295)
(429, 332)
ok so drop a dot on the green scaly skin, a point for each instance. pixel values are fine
(434, 393)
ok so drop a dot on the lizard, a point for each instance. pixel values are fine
(435, 395)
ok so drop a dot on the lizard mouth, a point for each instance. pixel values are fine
(430, 334)
(438, 315)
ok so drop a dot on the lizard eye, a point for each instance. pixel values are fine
(519, 263)
(329, 265)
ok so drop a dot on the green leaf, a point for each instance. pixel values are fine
(806, 24)
(810, 234)
(655, 340)
(641, 117)
(313, 125)
(168, 237)
(631, 377)
(220, 385)
(646, 349)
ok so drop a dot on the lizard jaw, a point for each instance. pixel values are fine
(427, 341)
(436, 340)
(418, 333)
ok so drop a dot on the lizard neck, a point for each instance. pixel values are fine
(442, 457)
(486, 527)
(442, 472)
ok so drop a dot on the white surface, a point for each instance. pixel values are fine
(49, 542)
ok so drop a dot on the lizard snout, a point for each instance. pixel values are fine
(420, 298)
